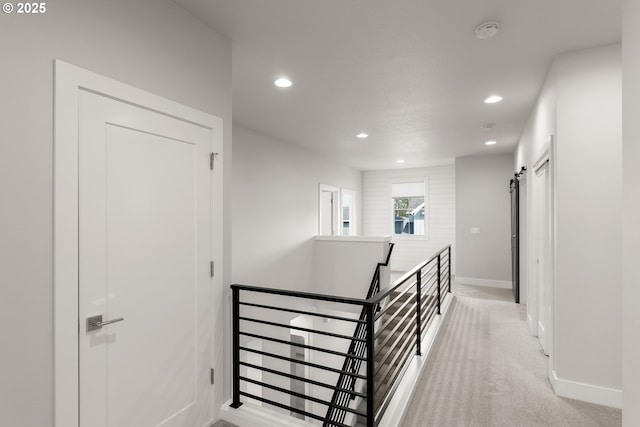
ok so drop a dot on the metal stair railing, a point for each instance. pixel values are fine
(387, 335)
(353, 360)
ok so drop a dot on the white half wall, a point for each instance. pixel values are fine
(631, 212)
(344, 266)
(440, 211)
(483, 218)
(275, 209)
(128, 41)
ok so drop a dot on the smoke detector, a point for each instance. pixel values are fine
(487, 126)
(488, 29)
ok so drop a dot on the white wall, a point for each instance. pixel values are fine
(275, 209)
(589, 195)
(631, 212)
(275, 223)
(483, 201)
(540, 124)
(440, 211)
(581, 105)
(153, 45)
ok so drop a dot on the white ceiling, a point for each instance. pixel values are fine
(410, 73)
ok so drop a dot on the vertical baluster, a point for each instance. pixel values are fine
(449, 266)
(235, 299)
(419, 313)
(439, 278)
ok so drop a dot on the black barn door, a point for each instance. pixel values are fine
(514, 189)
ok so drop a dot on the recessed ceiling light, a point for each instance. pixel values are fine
(399, 161)
(362, 135)
(283, 82)
(490, 143)
(493, 99)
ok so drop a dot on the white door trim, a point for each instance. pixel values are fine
(68, 81)
(335, 208)
(548, 154)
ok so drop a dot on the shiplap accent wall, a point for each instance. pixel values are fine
(440, 189)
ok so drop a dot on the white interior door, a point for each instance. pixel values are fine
(532, 270)
(543, 249)
(144, 252)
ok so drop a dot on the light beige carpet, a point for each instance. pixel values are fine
(487, 370)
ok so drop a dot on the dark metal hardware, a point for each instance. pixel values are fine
(95, 322)
(439, 278)
(418, 312)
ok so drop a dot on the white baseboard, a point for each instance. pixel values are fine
(504, 284)
(258, 416)
(531, 325)
(586, 392)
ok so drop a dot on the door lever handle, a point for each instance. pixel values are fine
(95, 322)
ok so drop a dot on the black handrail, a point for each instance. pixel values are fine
(387, 334)
(406, 276)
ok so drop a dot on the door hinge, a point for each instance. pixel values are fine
(212, 375)
(211, 269)
(212, 158)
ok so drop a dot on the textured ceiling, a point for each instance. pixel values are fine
(411, 74)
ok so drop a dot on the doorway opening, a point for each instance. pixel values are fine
(329, 211)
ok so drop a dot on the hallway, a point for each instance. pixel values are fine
(487, 370)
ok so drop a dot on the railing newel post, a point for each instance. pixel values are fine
(235, 301)
(371, 372)
(439, 278)
(419, 312)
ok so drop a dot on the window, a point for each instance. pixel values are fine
(408, 208)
